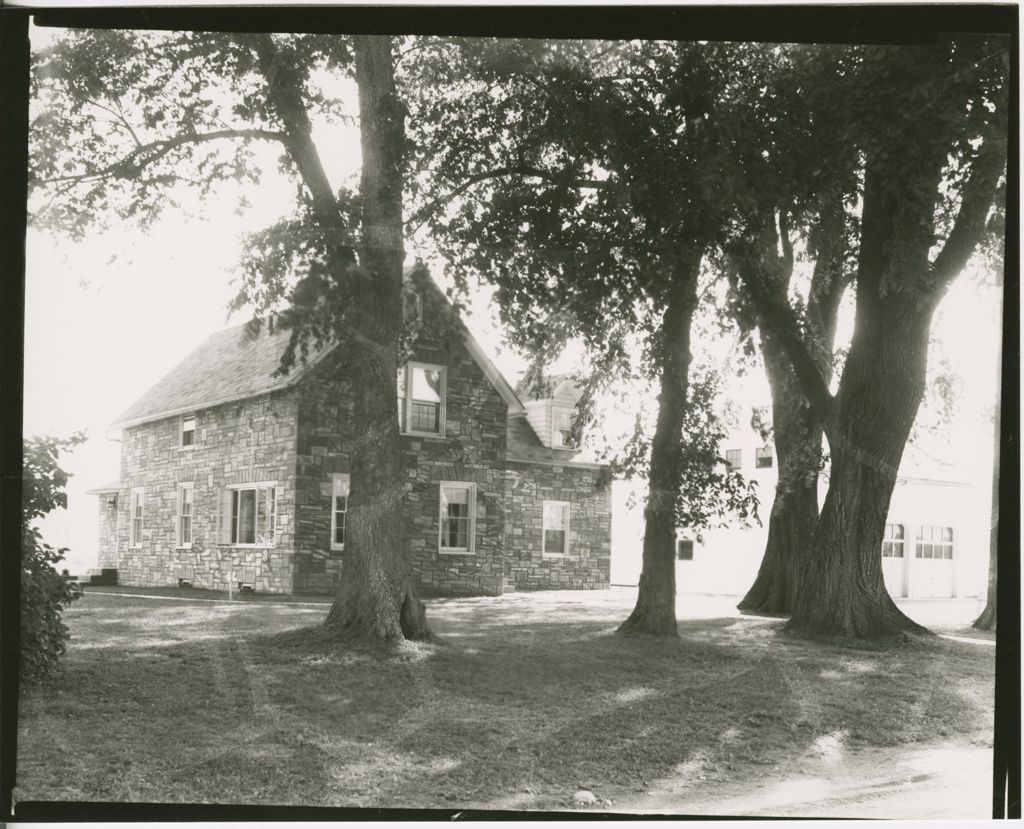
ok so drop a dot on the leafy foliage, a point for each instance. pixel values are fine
(577, 175)
(711, 495)
(44, 592)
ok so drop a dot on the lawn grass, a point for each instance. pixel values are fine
(528, 698)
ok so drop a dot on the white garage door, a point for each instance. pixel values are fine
(894, 560)
(931, 572)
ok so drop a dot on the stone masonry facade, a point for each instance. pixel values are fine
(298, 438)
(249, 441)
(587, 562)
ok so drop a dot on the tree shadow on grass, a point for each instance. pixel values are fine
(515, 709)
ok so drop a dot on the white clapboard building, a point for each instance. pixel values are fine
(936, 536)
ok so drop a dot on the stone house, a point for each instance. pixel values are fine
(230, 474)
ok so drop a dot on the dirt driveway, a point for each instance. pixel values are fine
(940, 780)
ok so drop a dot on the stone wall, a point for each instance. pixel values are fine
(324, 447)
(244, 442)
(471, 451)
(299, 437)
(588, 562)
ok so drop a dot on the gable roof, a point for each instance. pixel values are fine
(559, 384)
(229, 365)
(419, 276)
(524, 445)
(234, 365)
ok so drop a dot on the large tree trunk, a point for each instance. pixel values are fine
(987, 619)
(655, 611)
(843, 592)
(376, 597)
(797, 432)
(795, 508)
(899, 284)
(375, 600)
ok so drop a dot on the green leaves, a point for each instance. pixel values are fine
(44, 592)
(125, 123)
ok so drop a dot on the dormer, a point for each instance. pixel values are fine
(551, 417)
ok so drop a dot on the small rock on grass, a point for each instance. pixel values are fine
(584, 797)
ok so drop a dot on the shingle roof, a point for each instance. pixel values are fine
(233, 365)
(524, 445)
(229, 365)
(555, 381)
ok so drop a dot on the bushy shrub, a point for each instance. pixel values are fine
(44, 592)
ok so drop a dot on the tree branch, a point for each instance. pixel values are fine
(525, 171)
(761, 272)
(285, 93)
(975, 201)
(155, 150)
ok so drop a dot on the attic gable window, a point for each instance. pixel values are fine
(188, 431)
(421, 398)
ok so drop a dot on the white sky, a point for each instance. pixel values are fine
(99, 333)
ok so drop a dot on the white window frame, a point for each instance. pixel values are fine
(136, 505)
(564, 553)
(739, 460)
(339, 480)
(470, 549)
(893, 541)
(682, 539)
(764, 453)
(557, 440)
(228, 504)
(181, 432)
(407, 373)
(179, 534)
(920, 541)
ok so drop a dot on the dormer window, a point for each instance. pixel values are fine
(421, 398)
(188, 431)
(412, 306)
(561, 429)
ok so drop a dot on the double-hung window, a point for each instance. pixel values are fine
(733, 459)
(561, 423)
(763, 458)
(556, 528)
(421, 398)
(184, 527)
(458, 518)
(249, 515)
(339, 510)
(684, 549)
(138, 494)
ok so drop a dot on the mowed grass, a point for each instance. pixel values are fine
(528, 698)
